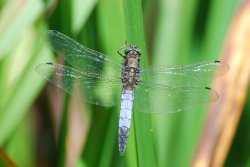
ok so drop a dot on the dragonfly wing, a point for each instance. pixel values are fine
(199, 74)
(94, 88)
(155, 98)
(79, 56)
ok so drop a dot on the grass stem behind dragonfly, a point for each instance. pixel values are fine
(128, 83)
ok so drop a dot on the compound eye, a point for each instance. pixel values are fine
(127, 51)
(138, 51)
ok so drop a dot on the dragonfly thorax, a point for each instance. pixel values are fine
(131, 68)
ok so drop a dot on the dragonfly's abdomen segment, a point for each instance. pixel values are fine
(125, 119)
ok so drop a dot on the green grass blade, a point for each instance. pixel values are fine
(142, 122)
(111, 38)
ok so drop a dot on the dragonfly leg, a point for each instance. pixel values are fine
(119, 50)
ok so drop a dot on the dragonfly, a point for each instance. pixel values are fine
(105, 81)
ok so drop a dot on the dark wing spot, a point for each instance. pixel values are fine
(49, 63)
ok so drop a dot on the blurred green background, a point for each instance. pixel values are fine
(41, 126)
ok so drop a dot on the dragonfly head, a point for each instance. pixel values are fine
(132, 48)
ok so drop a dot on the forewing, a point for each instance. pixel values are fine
(81, 57)
(92, 88)
(157, 98)
(200, 74)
